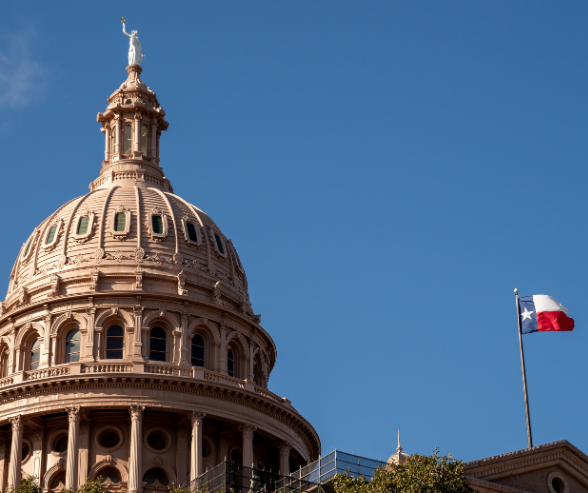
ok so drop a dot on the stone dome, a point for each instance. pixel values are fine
(129, 349)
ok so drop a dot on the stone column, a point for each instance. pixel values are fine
(153, 139)
(285, 458)
(71, 468)
(177, 335)
(185, 357)
(38, 452)
(196, 451)
(135, 460)
(107, 143)
(83, 454)
(248, 432)
(53, 355)
(3, 462)
(137, 143)
(46, 351)
(137, 344)
(117, 138)
(90, 337)
(15, 451)
(183, 435)
(223, 449)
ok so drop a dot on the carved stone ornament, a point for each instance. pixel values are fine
(157, 461)
(23, 296)
(248, 431)
(73, 413)
(182, 291)
(216, 294)
(61, 261)
(178, 258)
(95, 279)
(108, 459)
(197, 417)
(2, 308)
(285, 448)
(257, 319)
(98, 255)
(61, 463)
(16, 423)
(139, 254)
(54, 286)
(136, 412)
(138, 278)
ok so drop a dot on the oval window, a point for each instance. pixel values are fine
(157, 441)
(83, 225)
(128, 139)
(192, 232)
(109, 439)
(60, 444)
(157, 224)
(51, 234)
(120, 221)
(219, 244)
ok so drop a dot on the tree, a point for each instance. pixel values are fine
(27, 485)
(419, 474)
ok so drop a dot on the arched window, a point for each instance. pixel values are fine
(231, 363)
(51, 234)
(191, 232)
(4, 363)
(35, 354)
(115, 341)
(155, 475)
(58, 480)
(144, 139)
(157, 344)
(109, 474)
(157, 224)
(219, 244)
(197, 350)
(236, 457)
(28, 247)
(113, 133)
(128, 139)
(72, 346)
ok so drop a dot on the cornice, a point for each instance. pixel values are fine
(68, 383)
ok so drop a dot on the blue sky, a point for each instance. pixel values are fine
(388, 171)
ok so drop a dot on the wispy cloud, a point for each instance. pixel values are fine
(21, 76)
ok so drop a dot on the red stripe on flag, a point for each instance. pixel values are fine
(554, 321)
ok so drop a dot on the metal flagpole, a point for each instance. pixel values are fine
(528, 414)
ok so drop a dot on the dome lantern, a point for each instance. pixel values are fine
(132, 125)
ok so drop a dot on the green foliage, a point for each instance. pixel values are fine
(27, 485)
(419, 474)
(179, 489)
(91, 486)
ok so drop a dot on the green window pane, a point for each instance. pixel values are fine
(219, 244)
(157, 224)
(192, 232)
(83, 225)
(51, 234)
(128, 139)
(28, 247)
(144, 139)
(120, 222)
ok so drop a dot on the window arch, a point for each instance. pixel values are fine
(128, 139)
(109, 474)
(231, 363)
(4, 362)
(156, 475)
(158, 344)
(35, 354)
(115, 342)
(72, 345)
(198, 350)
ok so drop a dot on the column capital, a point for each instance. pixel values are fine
(38, 433)
(73, 413)
(197, 417)
(285, 448)
(136, 412)
(248, 430)
(16, 422)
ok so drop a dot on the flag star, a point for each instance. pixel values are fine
(526, 314)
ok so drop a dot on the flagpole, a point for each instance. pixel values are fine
(527, 413)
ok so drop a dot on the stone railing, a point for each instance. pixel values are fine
(269, 395)
(6, 381)
(106, 368)
(163, 369)
(220, 378)
(46, 373)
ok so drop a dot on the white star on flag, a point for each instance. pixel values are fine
(526, 314)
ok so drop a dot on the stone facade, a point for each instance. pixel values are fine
(129, 348)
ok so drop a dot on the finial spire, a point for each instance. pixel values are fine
(399, 448)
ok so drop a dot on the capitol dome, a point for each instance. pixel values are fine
(129, 349)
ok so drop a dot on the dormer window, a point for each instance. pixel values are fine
(120, 222)
(83, 225)
(144, 140)
(219, 244)
(128, 101)
(29, 246)
(191, 231)
(52, 235)
(157, 224)
(128, 142)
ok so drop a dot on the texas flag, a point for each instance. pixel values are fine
(541, 313)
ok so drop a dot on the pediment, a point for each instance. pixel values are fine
(556, 467)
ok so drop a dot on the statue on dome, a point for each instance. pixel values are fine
(135, 53)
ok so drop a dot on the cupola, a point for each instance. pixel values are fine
(132, 125)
